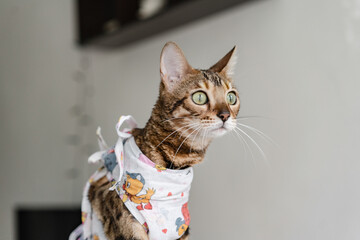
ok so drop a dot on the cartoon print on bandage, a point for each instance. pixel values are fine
(183, 224)
(133, 185)
(110, 160)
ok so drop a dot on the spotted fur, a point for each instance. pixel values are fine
(170, 138)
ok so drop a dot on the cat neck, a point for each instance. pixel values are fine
(158, 141)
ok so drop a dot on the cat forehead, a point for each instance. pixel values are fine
(214, 78)
(205, 79)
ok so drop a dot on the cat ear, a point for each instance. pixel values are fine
(173, 65)
(227, 64)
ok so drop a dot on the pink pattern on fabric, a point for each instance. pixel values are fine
(186, 214)
(145, 160)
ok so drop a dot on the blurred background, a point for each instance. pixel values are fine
(298, 72)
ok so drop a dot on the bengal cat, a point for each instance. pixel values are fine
(194, 106)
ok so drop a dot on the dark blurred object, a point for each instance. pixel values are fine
(113, 23)
(45, 224)
(171, 3)
(92, 15)
(127, 11)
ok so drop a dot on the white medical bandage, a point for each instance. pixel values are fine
(157, 197)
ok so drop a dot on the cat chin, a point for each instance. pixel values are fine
(218, 132)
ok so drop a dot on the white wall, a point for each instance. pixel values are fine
(298, 68)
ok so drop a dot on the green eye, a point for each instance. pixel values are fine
(231, 98)
(199, 98)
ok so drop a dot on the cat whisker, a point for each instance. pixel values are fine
(170, 119)
(180, 146)
(188, 125)
(191, 127)
(247, 145)
(254, 142)
(192, 142)
(203, 138)
(242, 143)
(251, 117)
(259, 133)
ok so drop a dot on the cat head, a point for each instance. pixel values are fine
(199, 103)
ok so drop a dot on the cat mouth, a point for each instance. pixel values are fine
(221, 129)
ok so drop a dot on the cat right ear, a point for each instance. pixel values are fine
(227, 64)
(173, 65)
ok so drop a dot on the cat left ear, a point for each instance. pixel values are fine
(173, 65)
(226, 65)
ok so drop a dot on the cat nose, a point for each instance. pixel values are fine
(224, 116)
